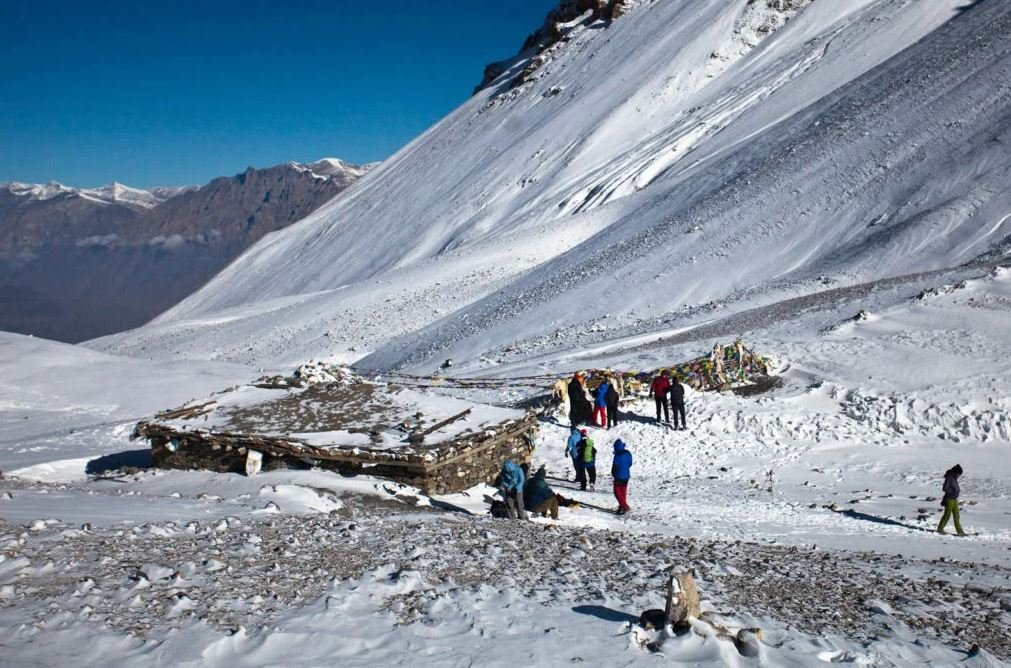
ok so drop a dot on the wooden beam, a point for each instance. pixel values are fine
(419, 436)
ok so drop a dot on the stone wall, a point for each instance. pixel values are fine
(456, 466)
(480, 465)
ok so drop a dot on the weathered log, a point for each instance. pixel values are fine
(419, 436)
(185, 412)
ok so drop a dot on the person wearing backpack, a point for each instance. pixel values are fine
(621, 471)
(589, 458)
(612, 404)
(950, 500)
(572, 450)
(677, 402)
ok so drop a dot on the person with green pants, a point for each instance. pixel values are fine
(950, 500)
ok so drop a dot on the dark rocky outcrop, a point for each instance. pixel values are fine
(549, 34)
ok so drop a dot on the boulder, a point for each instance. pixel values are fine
(748, 642)
(682, 598)
(653, 619)
(618, 9)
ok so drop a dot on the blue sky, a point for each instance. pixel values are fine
(178, 92)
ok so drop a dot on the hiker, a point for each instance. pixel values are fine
(579, 406)
(612, 404)
(658, 390)
(588, 456)
(600, 404)
(950, 500)
(621, 471)
(677, 402)
(539, 497)
(510, 484)
(572, 450)
(577, 459)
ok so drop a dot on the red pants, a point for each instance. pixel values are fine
(621, 493)
(600, 416)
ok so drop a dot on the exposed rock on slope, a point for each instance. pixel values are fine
(79, 263)
(557, 25)
(758, 19)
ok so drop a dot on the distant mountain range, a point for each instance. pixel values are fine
(78, 263)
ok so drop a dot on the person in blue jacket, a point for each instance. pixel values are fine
(572, 450)
(621, 471)
(510, 483)
(600, 404)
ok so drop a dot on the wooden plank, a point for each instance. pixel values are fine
(186, 411)
(419, 436)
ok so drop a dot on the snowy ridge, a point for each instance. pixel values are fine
(113, 193)
(327, 168)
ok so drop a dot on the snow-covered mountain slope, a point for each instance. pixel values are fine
(60, 401)
(334, 168)
(689, 156)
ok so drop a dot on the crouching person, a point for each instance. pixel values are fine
(539, 497)
(510, 485)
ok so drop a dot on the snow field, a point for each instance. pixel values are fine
(347, 587)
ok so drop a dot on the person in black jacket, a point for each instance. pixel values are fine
(612, 405)
(950, 500)
(580, 409)
(677, 402)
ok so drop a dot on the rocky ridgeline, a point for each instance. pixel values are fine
(554, 30)
(76, 266)
(758, 19)
(243, 572)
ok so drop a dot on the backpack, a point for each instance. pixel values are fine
(499, 509)
(612, 395)
(587, 451)
(677, 392)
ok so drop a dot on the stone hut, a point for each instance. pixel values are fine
(435, 443)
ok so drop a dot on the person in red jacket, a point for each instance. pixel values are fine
(658, 390)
